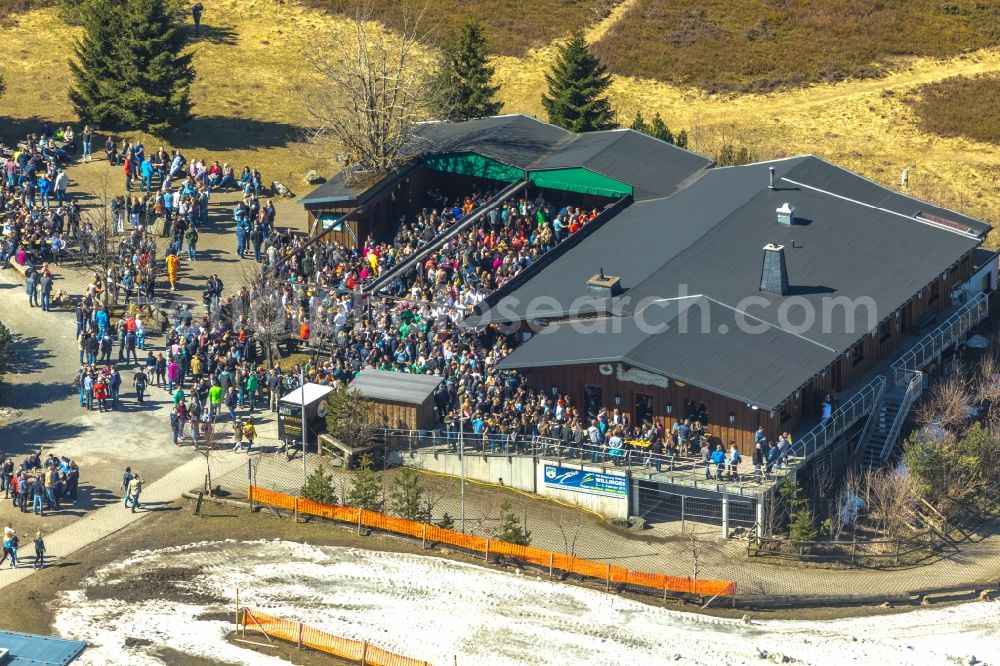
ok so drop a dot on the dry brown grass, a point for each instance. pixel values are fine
(511, 28)
(960, 106)
(749, 45)
(249, 66)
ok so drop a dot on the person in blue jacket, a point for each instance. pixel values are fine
(719, 460)
(146, 170)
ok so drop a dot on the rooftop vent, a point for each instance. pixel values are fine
(774, 273)
(786, 214)
(604, 286)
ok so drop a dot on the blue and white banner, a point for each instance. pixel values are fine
(582, 481)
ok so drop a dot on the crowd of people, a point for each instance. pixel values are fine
(38, 484)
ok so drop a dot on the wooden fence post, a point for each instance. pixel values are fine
(551, 556)
(487, 558)
(237, 610)
(296, 503)
(607, 578)
(300, 636)
(359, 521)
(364, 654)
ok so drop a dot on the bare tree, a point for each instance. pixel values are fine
(257, 305)
(894, 500)
(948, 402)
(986, 385)
(370, 87)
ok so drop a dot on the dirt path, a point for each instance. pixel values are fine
(910, 75)
(599, 29)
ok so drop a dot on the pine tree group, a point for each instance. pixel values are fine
(658, 129)
(466, 87)
(576, 98)
(129, 72)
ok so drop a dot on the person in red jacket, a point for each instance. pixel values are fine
(100, 391)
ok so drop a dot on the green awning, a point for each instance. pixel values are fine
(474, 164)
(580, 180)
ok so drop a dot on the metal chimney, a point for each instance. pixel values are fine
(774, 272)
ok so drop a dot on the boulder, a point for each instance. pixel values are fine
(280, 190)
(312, 177)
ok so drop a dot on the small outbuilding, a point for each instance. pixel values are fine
(402, 401)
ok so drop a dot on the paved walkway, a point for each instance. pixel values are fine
(62, 543)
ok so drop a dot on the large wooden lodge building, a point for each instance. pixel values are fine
(745, 294)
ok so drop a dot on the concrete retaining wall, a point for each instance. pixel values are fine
(519, 472)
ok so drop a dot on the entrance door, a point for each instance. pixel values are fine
(643, 409)
(591, 402)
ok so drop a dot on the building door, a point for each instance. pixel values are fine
(591, 402)
(643, 409)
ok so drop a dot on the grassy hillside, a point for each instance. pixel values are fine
(511, 27)
(758, 45)
(960, 106)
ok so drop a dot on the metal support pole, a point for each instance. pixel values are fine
(461, 462)
(760, 514)
(725, 516)
(302, 393)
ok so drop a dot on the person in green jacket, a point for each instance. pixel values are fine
(252, 385)
(214, 399)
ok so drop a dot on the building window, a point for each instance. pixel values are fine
(857, 354)
(884, 331)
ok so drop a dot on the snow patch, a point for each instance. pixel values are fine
(434, 609)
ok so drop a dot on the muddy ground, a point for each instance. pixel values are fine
(178, 524)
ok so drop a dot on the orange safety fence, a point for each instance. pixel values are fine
(611, 573)
(302, 634)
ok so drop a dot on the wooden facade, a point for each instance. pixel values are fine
(377, 213)
(607, 385)
(404, 416)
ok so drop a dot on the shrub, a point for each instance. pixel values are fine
(961, 106)
(748, 45)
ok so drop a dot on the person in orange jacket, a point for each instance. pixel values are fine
(172, 263)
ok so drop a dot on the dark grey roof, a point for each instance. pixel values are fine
(336, 190)
(399, 387)
(515, 140)
(653, 168)
(668, 341)
(708, 239)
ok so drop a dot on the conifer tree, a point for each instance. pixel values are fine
(639, 124)
(319, 487)
(578, 81)
(366, 487)
(406, 498)
(681, 140)
(658, 129)
(510, 528)
(129, 72)
(466, 87)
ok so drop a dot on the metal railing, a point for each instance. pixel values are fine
(462, 225)
(866, 434)
(930, 347)
(913, 391)
(849, 413)
(681, 469)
